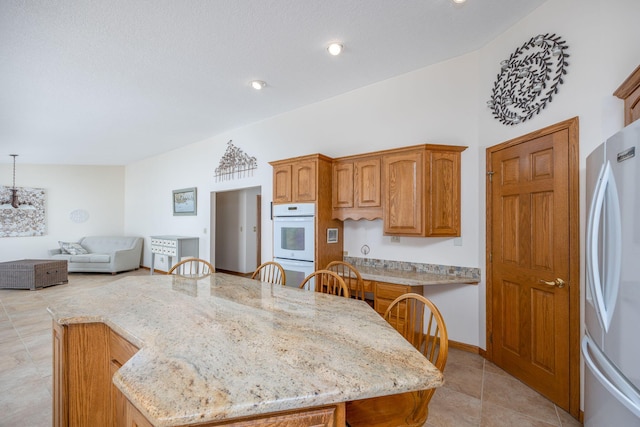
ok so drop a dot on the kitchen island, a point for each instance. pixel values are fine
(222, 349)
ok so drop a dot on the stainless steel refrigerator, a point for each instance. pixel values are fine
(611, 345)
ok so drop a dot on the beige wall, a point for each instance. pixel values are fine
(98, 190)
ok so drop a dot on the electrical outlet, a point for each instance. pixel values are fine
(345, 253)
(395, 239)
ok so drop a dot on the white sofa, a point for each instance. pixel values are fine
(106, 254)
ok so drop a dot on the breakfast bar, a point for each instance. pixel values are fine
(173, 351)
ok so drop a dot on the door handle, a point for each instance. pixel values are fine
(558, 282)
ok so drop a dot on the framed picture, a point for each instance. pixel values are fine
(185, 201)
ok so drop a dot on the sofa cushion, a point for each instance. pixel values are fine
(72, 248)
(90, 258)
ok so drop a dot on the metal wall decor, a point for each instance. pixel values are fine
(234, 164)
(529, 79)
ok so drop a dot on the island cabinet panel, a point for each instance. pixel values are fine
(327, 416)
(357, 192)
(82, 380)
(422, 191)
(120, 351)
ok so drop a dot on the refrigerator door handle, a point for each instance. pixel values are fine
(624, 392)
(605, 292)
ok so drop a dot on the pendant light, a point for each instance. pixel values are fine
(14, 190)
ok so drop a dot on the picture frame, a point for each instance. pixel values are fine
(185, 202)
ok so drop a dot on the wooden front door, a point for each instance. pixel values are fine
(533, 261)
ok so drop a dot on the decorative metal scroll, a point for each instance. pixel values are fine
(529, 79)
(235, 164)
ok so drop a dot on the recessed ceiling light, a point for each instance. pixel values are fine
(335, 49)
(258, 84)
(459, 1)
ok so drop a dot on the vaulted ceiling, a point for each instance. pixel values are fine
(110, 82)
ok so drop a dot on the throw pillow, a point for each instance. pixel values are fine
(72, 248)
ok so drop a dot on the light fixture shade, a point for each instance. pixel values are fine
(335, 49)
(258, 84)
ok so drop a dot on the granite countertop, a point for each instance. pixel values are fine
(226, 346)
(411, 277)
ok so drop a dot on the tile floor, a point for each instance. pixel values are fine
(477, 393)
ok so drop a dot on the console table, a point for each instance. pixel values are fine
(174, 246)
(32, 273)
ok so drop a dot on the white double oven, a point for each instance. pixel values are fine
(294, 240)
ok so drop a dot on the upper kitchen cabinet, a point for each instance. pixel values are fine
(422, 191)
(299, 179)
(629, 92)
(357, 191)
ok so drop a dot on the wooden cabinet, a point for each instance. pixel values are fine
(629, 92)
(81, 375)
(282, 183)
(404, 194)
(120, 351)
(357, 191)
(85, 357)
(443, 195)
(300, 179)
(307, 179)
(386, 293)
(422, 191)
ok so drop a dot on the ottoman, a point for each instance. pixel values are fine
(32, 273)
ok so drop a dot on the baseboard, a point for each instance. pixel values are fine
(467, 347)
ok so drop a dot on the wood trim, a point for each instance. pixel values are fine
(572, 126)
(629, 85)
(629, 92)
(434, 147)
(466, 347)
(574, 267)
(304, 158)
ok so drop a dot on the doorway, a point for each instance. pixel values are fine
(235, 230)
(533, 261)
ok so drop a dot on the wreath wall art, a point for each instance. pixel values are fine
(529, 79)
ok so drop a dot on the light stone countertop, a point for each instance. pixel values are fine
(226, 347)
(411, 278)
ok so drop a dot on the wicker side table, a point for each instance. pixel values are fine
(32, 273)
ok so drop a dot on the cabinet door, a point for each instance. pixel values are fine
(282, 184)
(444, 194)
(304, 181)
(368, 192)
(404, 182)
(342, 185)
